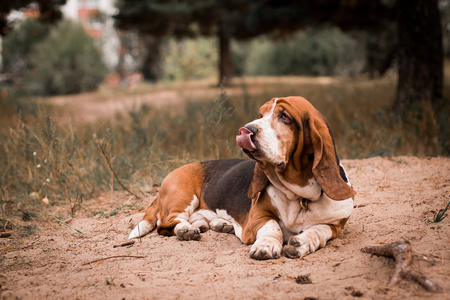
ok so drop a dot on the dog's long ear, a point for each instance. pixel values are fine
(325, 167)
(258, 184)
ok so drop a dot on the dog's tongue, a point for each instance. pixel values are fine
(244, 139)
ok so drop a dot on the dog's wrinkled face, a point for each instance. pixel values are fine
(271, 138)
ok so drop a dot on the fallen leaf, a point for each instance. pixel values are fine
(45, 200)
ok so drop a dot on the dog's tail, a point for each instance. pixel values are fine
(148, 223)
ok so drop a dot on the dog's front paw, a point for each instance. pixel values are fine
(223, 226)
(185, 234)
(301, 245)
(265, 248)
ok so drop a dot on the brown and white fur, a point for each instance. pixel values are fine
(293, 192)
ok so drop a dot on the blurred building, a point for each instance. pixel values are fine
(96, 18)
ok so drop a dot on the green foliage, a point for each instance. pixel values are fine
(173, 18)
(324, 52)
(190, 59)
(18, 47)
(64, 63)
(317, 52)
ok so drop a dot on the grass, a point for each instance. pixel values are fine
(441, 214)
(70, 163)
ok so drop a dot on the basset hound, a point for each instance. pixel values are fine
(293, 191)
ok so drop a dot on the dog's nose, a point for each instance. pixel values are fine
(253, 129)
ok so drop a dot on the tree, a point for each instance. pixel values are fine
(381, 50)
(372, 18)
(19, 45)
(184, 19)
(75, 64)
(419, 98)
(49, 11)
(284, 17)
(245, 19)
(151, 68)
(420, 56)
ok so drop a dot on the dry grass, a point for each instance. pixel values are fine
(41, 157)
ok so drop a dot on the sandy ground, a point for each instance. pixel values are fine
(396, 197)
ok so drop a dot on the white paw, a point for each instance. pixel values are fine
(302, 244)
(266, 248)
(140, 230)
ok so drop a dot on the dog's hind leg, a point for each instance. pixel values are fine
(179, 199)
(178, 223)
(185, 230)
(148, 223)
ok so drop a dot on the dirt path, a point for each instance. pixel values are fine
(107, 102)
(396, 196)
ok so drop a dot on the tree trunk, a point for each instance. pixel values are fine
(121, 69)
(420, 69)
(226, 68)
(151, 65)
(381, 49)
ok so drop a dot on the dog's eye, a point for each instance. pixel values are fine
(285, 118)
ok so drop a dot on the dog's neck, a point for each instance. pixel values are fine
(294, 191)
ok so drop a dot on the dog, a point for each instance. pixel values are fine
(293, 191)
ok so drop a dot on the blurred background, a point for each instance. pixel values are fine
(99, 95)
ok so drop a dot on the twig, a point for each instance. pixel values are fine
(134, 178)
(125, 244)
(360, 205)
(214, 289)
(350, 277)
(112, 170)
(109, 257)
(402, 253)
(61, 221)
(82, 181)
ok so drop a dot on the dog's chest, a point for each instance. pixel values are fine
(295, 217)
(290, 212)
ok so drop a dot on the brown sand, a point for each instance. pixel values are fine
(396, 198)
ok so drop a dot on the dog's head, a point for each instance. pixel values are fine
(293, 139)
